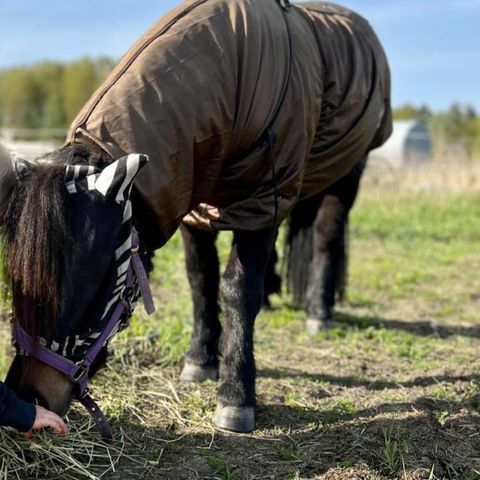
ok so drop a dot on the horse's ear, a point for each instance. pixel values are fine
(12, 170)
(7, 180)
(24, 168)
(115, 181)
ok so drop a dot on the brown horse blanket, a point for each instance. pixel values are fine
(203, 84)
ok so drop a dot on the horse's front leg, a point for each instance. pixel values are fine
(242, 294)
(201, 259)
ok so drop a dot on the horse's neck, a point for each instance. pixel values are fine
(100, 156)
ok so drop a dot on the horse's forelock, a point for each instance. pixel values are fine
(37, 237)
(37, 241)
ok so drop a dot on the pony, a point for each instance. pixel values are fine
(237, 109)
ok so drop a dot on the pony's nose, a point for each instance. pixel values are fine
(38, 383)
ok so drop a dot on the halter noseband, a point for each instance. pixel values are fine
(77, 372)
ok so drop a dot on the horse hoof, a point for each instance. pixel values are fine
(196, 373)
(316, 325)
(235, 419)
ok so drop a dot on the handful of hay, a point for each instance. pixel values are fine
(81, 454)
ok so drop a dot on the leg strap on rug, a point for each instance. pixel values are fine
(285, 4)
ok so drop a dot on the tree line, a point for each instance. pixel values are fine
(48, 95)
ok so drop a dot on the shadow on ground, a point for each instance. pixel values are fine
(415, 327)
(353, 381)
(296, 442)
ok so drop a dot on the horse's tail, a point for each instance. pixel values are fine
(299, 253)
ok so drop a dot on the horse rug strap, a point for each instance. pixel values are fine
(78, 372)
(285, 4)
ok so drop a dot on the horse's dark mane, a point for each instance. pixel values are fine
(37, 239)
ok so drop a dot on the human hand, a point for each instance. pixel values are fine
(202, 216)
(44, 418)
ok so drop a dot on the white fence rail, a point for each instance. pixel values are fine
(30, 143)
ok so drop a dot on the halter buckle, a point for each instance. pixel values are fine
(80, 373)
(126, 294)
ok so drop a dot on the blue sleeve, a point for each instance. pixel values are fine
(15, 412)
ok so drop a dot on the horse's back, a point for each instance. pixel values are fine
(198, 89)
(355, 105)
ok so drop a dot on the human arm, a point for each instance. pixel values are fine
(25, 416)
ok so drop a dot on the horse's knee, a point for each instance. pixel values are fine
(230, 290)
(242, 290)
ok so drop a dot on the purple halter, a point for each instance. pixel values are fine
(77, 372)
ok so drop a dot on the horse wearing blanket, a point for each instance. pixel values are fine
(242, 107)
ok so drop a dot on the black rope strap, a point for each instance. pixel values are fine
(268, 137)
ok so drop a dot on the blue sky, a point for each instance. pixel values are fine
(433, 45)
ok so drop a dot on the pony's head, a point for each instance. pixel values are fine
(67, 226)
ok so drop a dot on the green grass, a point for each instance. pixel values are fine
(391, 451)
(341, 409)
(392, 391)
(416, 217)
(220, 466)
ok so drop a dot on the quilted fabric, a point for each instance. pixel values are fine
(202, 85)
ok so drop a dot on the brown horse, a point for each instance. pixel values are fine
(243, 107)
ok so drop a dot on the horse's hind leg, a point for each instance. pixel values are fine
(201, 259)
(327, 235)
(242, 293)
(329, 248)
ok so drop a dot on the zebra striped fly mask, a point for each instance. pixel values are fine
(96, 277)
(102, 280)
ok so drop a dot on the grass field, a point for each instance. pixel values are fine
(392, 391)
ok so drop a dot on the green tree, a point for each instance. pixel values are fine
(79, 82)
(48, 94)
(410, 112)
(49, 78)
(21, 99)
